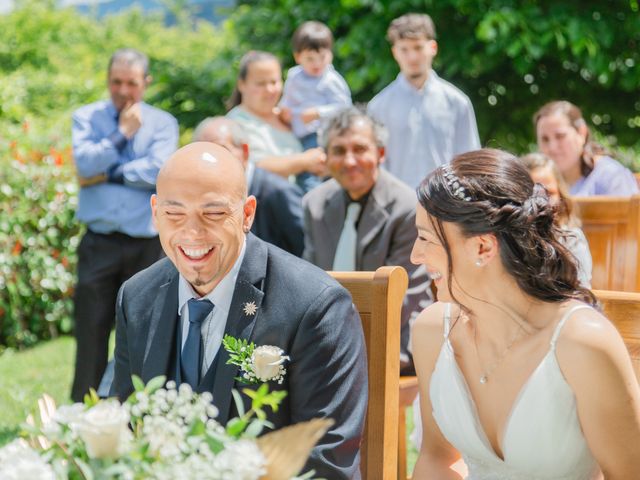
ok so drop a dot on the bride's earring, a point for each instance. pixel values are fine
(478, 263)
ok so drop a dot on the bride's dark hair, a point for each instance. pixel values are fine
(500, 198)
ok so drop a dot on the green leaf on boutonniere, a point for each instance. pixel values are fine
(138, 384)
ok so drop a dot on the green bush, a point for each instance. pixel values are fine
(38, 240)
(51, 62)
(509, 56)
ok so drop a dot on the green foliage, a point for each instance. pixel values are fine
(38, 240)
(51, 62)
(509, 57)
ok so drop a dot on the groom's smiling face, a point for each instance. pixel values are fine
(202, 213)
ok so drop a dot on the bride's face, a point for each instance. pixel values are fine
(428, 250)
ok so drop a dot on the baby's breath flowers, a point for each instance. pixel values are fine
(161, 432)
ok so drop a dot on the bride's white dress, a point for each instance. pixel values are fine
(542, 439)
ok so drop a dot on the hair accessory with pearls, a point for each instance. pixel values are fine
(457, 190)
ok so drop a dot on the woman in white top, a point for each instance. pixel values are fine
(519, 373)
(272, 145)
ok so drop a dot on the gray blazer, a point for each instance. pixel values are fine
(386, 233)
(301, 309)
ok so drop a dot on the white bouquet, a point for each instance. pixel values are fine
(158, 433)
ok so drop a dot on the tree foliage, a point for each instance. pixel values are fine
(509, 56)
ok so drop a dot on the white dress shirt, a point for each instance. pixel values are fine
(213, 326)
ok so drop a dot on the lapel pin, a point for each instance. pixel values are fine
(250, 308)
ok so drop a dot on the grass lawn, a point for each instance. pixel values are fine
(26, 375)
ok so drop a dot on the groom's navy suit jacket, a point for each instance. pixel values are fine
(301, 309)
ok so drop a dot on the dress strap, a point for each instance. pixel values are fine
(446, 319)
(561, 323)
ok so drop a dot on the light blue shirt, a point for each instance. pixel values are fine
(608, 177)
(213, 326)
(329, 93)
(98, 145)
(427, 127)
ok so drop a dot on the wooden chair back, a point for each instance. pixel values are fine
(378, 298)
(612, 227)
(623, 309)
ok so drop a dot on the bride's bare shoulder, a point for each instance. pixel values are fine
(429, 325)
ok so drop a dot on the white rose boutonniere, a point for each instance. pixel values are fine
(258, 364)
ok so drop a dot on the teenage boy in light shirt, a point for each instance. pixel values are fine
(428, 119)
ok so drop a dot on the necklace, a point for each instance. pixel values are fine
(484, 378)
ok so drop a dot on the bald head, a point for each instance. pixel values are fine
(225, 132)
(202, 212)
(204, 162)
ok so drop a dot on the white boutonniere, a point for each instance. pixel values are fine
(258, 364)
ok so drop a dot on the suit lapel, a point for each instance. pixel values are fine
(240, 324)
(333, 220)
(162, 330)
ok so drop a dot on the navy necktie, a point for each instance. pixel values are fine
(190, 356)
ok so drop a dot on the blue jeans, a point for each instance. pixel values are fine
(305, 180)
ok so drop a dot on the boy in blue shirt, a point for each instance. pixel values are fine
(314, 91)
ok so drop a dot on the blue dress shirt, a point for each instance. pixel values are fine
(122, 203)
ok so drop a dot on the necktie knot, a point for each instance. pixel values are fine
(199, 310)
(353, 210)
(345, 256)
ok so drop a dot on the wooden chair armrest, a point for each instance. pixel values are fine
(408, 390)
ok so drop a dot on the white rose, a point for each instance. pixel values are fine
(18, 461)
(266, 361)
(69, 414)
(104, 429)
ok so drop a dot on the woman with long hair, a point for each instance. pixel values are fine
(587, 167)
(518, 372)
(253, 104)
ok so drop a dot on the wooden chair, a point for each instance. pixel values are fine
(623, 309)
(378, 297)
(612, 227)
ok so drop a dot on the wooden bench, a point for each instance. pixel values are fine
(612, 227)
(623, 309)
(378, 298)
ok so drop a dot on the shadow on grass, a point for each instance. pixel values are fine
(7, 434)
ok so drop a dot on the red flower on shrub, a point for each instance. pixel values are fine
(58, 159)
(17, 248)
(25, 126)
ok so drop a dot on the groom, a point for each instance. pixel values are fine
(219, 279)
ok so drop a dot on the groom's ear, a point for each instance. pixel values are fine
(249, 213)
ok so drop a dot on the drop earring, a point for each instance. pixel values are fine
(478, 263)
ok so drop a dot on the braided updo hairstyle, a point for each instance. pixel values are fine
(500, 198)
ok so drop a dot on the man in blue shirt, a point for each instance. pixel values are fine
(119, 146)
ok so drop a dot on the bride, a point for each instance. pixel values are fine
(519, 373)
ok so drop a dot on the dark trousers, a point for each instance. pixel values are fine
(105, 261)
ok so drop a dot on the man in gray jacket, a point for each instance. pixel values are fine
(364, 217)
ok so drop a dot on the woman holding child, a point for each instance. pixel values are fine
(272, 146)
(519, 373)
